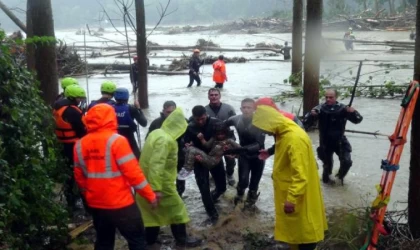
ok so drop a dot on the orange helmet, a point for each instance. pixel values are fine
(196, 51)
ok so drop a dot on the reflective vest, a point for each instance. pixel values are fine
(125, 121)
(106, 169)
(63, 130)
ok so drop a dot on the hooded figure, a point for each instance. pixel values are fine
(299, 207)
(159, 163)
(106, 171)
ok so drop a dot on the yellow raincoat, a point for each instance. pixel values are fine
(295, 179)
(159, 163)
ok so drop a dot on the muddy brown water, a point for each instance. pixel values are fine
(256, 79)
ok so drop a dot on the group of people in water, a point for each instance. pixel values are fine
(100, 146)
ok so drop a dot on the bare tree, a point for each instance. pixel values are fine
(297, 42)
(139, 29)
(142, 94)
(312, 54)
(414, 182)
(40, 14)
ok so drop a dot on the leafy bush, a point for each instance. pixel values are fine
(30, 215)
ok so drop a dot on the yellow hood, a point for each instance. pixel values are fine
(270, 120)
(175, 124)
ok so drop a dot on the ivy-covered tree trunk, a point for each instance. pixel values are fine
(297, 43)
(414, 181)
(365, 5)
(312, 54)
(143, 95)
(30, 49)
(377, 6)
(40, 12)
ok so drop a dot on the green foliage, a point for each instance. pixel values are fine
(255, 240)
(43, 40)
(346, 228)
(30, 215)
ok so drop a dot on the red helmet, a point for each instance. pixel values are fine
(135, 57)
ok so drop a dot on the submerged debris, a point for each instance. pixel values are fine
(183, 63)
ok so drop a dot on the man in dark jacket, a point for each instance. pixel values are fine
(69, 128)
(168, 107)
(332, 117)
(126, 114)
(252, 139)
(202, 123)
(222, 111)
(286, 51)
(107, 91)
(194, 65)
(134, 72)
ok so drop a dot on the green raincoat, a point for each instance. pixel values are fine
(159, 163)
(295, 179)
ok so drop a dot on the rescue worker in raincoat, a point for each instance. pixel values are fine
(219, 74)
(299, 207)
(107, 90)
(168, 108)
(266, 153)
(68, 129)
(126, 114)
(106, 170)
(159, 163)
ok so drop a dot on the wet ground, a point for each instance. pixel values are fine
(256, 79)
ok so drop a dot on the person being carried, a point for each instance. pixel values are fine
(217, 145)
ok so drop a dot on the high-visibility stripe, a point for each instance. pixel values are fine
(141, 185)
(106, 175)
(125, 159)
(108, 161)
(81, 162)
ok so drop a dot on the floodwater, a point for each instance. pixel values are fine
(255, 79)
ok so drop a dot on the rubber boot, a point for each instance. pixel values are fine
(179, 232)
(238, 199)
(251, 198)
(231, 180)
(326, 175)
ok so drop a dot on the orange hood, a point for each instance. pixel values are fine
(268, 101)
(101, 117)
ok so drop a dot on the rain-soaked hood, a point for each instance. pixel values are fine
(269, 102)
(175, 124)
(271, 120)
(101, 117)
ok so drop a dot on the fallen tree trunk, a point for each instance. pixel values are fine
(177, 48)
